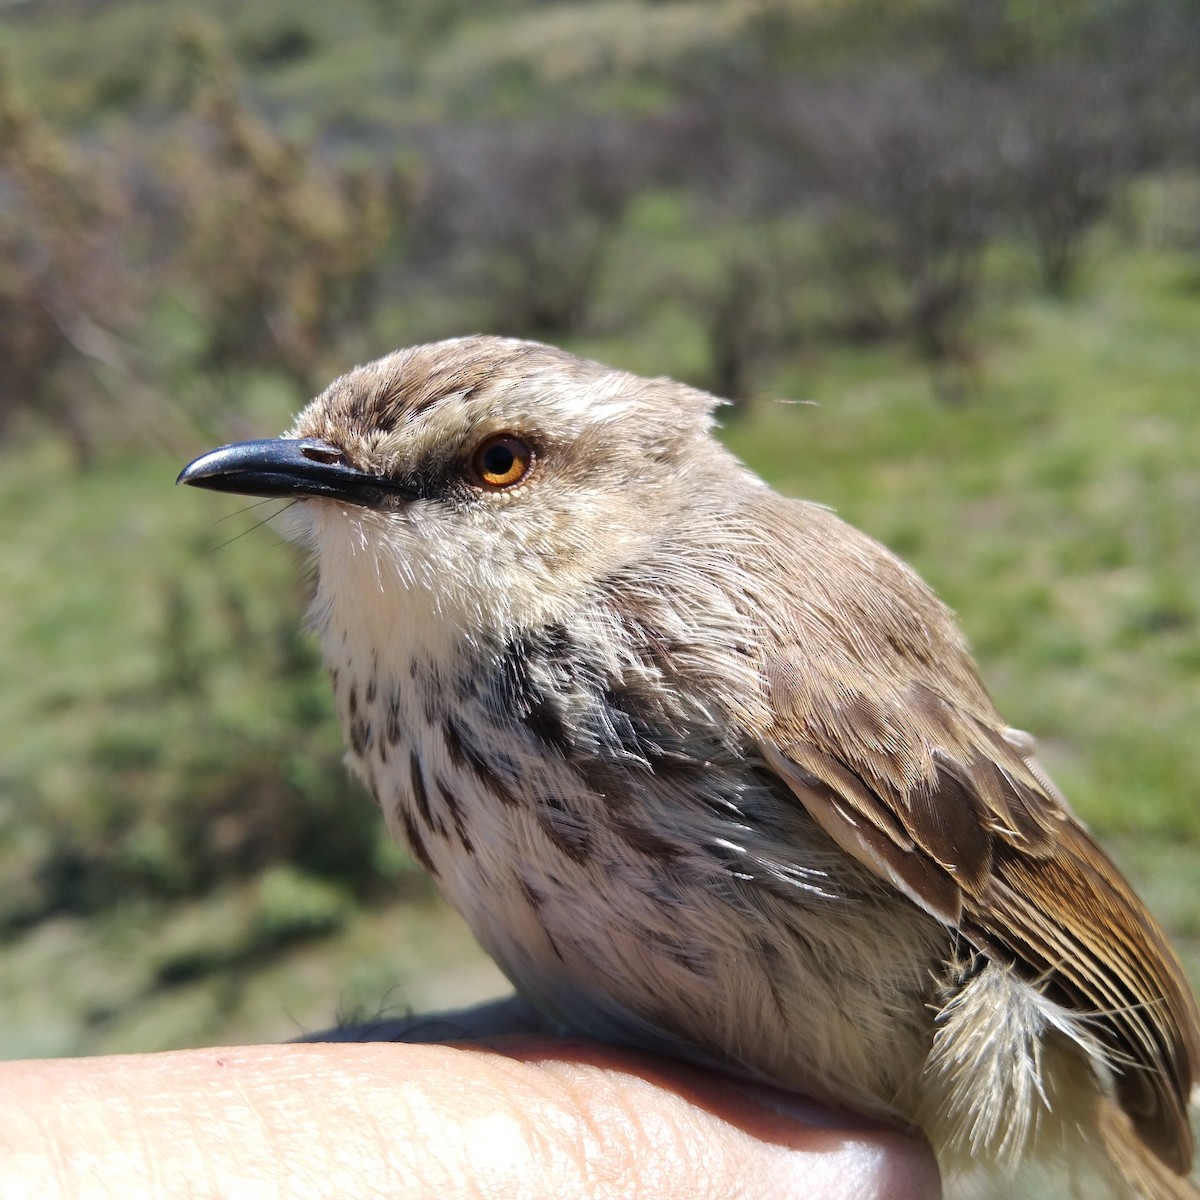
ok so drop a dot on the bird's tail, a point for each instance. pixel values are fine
(1142, 1175)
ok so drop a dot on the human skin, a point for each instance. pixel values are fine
(525, 1116)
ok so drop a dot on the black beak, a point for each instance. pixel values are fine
(291, 468)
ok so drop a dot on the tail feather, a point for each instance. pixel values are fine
(1142, 1174)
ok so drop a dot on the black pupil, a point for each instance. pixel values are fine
(498, 459)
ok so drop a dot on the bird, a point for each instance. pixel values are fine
(711, 773)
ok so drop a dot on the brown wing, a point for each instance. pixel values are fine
(884, 732)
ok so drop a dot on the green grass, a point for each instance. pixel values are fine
(151, 978)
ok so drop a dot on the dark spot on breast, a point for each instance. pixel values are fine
(392, 730)
(352, 700)
(420, 795)
(451, 804)
(553, 944)
(533, 897)
(371, 689)
(548, 652)
(551, 642)
(466, 686)
(692, 959)
(546, 724)
(453, 738)
(464, 753)
(640, 836)
(629, 731)
(672, 750)
(360, 735)
(416, 843)
(565, 829)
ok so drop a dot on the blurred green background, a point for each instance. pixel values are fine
(965, 232)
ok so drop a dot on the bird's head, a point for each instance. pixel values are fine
(477, 481)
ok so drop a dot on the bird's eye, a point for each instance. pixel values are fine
(502, 460)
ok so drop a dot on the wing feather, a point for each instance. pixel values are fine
(895, 749)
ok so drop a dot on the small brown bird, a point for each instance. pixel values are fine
(712, 773)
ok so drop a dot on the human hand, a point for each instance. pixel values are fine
(522, 1115)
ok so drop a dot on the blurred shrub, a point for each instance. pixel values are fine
(277, 252)
(281, 45)
(292, 905)
(745, 312)
(280, 252)
(742, 325)
(911, 170)
(522, 216)
(62, 285)
(1070, 140)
